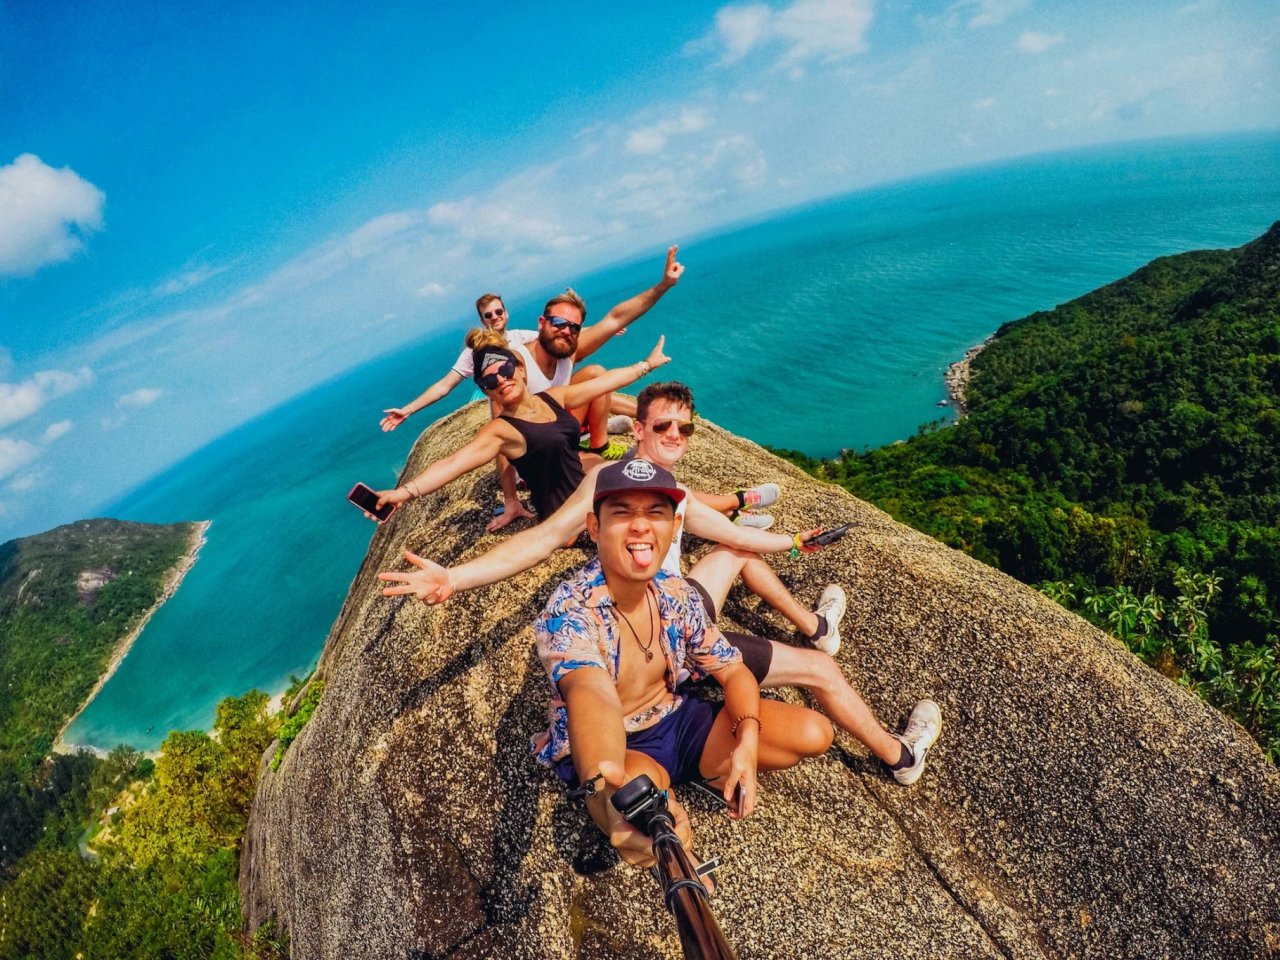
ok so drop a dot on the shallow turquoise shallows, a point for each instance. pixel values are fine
(825, 328)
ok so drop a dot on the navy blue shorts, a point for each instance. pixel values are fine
(675, 742)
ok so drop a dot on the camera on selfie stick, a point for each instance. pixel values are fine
(644, 806)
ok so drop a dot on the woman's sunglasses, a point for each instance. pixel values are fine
(560, 323)
(662, 426)
(506, 371)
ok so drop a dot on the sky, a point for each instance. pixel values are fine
(208, 209)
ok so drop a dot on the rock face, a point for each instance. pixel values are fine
(1077, 805)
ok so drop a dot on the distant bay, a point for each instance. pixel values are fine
(824, 328)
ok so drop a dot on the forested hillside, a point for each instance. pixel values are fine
(67, 597)
(1122, 452)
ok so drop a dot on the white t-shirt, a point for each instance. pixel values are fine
(535, 378)
(671, 562)
(464, 366)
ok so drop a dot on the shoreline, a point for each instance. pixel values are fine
(957, 377)
(173, 580)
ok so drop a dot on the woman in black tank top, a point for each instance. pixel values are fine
(534, 432)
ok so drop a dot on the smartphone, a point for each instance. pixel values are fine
(736, 807)
(830, 536)
(367, 500)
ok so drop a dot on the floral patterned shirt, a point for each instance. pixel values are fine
(579, 628)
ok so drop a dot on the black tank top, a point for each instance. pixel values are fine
(550, 465)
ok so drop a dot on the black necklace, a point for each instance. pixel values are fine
(647, 650)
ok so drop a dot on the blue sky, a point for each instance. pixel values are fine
(207, 209)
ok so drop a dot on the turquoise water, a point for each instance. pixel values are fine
(825, 328)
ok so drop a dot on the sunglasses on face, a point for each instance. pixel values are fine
(662, 426)
(506, 370)
(494, 313)
(560, 323)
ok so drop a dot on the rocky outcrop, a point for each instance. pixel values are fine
(1078, 804)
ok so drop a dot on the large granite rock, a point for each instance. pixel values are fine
(1078, 804)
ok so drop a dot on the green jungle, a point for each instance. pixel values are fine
(1122, 454)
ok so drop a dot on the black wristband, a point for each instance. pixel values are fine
(585, 789)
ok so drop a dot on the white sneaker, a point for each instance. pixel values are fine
(831, 606)
(760, 521)
(761, 495)
(620, 423)
(923, 727)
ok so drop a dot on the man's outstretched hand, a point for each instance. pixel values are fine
(430, 583)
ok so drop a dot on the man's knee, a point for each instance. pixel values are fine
(586, 373)
(819, 671)
(812, 734)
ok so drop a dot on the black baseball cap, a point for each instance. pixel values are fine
(636, 474)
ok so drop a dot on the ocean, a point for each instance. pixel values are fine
(824, 328)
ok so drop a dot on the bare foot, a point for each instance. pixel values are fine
(507, 516)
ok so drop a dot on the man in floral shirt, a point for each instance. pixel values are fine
(618, 637)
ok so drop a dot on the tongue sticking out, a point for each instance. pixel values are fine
(642, 554)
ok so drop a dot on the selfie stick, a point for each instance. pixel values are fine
(644, 806)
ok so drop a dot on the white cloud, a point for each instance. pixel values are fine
(985, 103)
(142, 397)
(188, 279)
(1031, 41)
(987, 13)
(806, 30)
(652, 139)
(432, 289)
(20, 400)
(15, 454)
(44, 214)
(26, 481)
(56, 430)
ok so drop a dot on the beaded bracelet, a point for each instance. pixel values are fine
(733, 731)
(796, 544)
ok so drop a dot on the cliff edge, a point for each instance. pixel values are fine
(1077, 805)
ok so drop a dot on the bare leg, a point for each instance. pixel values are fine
(819, 674)
(621, 403)
(718, 569)
(788, 734)
(764, 583)
(719, 502)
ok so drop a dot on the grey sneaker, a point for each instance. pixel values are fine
(761, 521)
(761, 495)
(831, 605)
(923, 727)
(620, 423)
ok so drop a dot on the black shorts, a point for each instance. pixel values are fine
(757, 652)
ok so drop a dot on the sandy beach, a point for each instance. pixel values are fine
(173, 579)
(957, 377)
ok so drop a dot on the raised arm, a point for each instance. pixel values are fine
(580, 394)
(595, 336)
(437, 391)
(432, 583)
(488, 443)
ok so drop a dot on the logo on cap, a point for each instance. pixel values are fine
(491, 358)
(638, 470)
